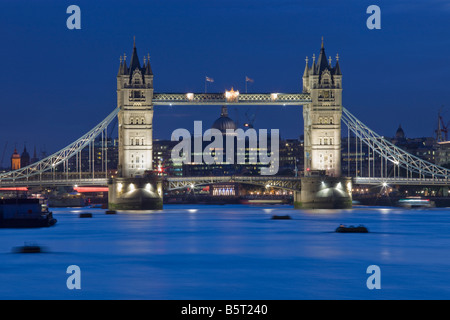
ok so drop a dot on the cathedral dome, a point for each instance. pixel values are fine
(400, 134)
(224, 122)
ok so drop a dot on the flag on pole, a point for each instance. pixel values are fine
(247, 79)
(209, 79)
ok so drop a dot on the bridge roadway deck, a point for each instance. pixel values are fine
(401, 181)
(173, 183)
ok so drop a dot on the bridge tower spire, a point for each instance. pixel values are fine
(134, 98)
(322, 117)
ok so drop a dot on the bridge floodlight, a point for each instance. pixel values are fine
(385, 184)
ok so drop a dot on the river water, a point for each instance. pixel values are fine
(231, 252)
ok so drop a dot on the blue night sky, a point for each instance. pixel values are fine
(58, 83)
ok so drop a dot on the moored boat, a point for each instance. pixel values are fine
(25, 213)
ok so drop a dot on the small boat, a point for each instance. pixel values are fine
(25, 213)
(352, 229)
(28, 249)
(86, 215)
(416, 202)
(285, 217)
(111, 212)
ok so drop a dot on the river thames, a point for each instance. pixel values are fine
(231, 252)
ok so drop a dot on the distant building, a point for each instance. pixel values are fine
(291, 157)
(24, 158)
(162, 159)
(15, 160)
(424, 148)
(224, 123)
(443, 154)
(96, 156)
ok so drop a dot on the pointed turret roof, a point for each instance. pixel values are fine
(148, 67)
(306, 72)
(120, 72)
(322, 62)
(134, 62)
(337, 68)
(314, 66)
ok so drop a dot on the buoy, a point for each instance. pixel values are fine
(86, 215)
(286, 217)
(352, 229)
(28, 249)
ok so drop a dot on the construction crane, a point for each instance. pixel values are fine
(3, 156)
(251, 118)
(442, 129)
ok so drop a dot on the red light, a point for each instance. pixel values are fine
(90, 189)
(14, 189)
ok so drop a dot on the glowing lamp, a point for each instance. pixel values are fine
(231, 95)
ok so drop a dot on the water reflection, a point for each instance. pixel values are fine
(233, 252)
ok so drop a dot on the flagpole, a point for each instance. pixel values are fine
(205, 84)
(245, 84)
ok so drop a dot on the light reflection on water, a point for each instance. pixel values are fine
(232, 252)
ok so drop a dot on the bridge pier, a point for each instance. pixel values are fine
(144, 193)
(324, 192)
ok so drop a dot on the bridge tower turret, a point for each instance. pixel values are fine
(134, 98)
(322, 117)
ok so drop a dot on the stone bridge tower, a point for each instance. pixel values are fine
(134, 98)
(322, 125)
(322, 117)
(135, 187)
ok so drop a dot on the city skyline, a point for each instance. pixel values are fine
(71, 74)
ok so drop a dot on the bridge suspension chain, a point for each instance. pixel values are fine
(391, 152)
(62, 156)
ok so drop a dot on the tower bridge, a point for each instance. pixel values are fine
(323, 114)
